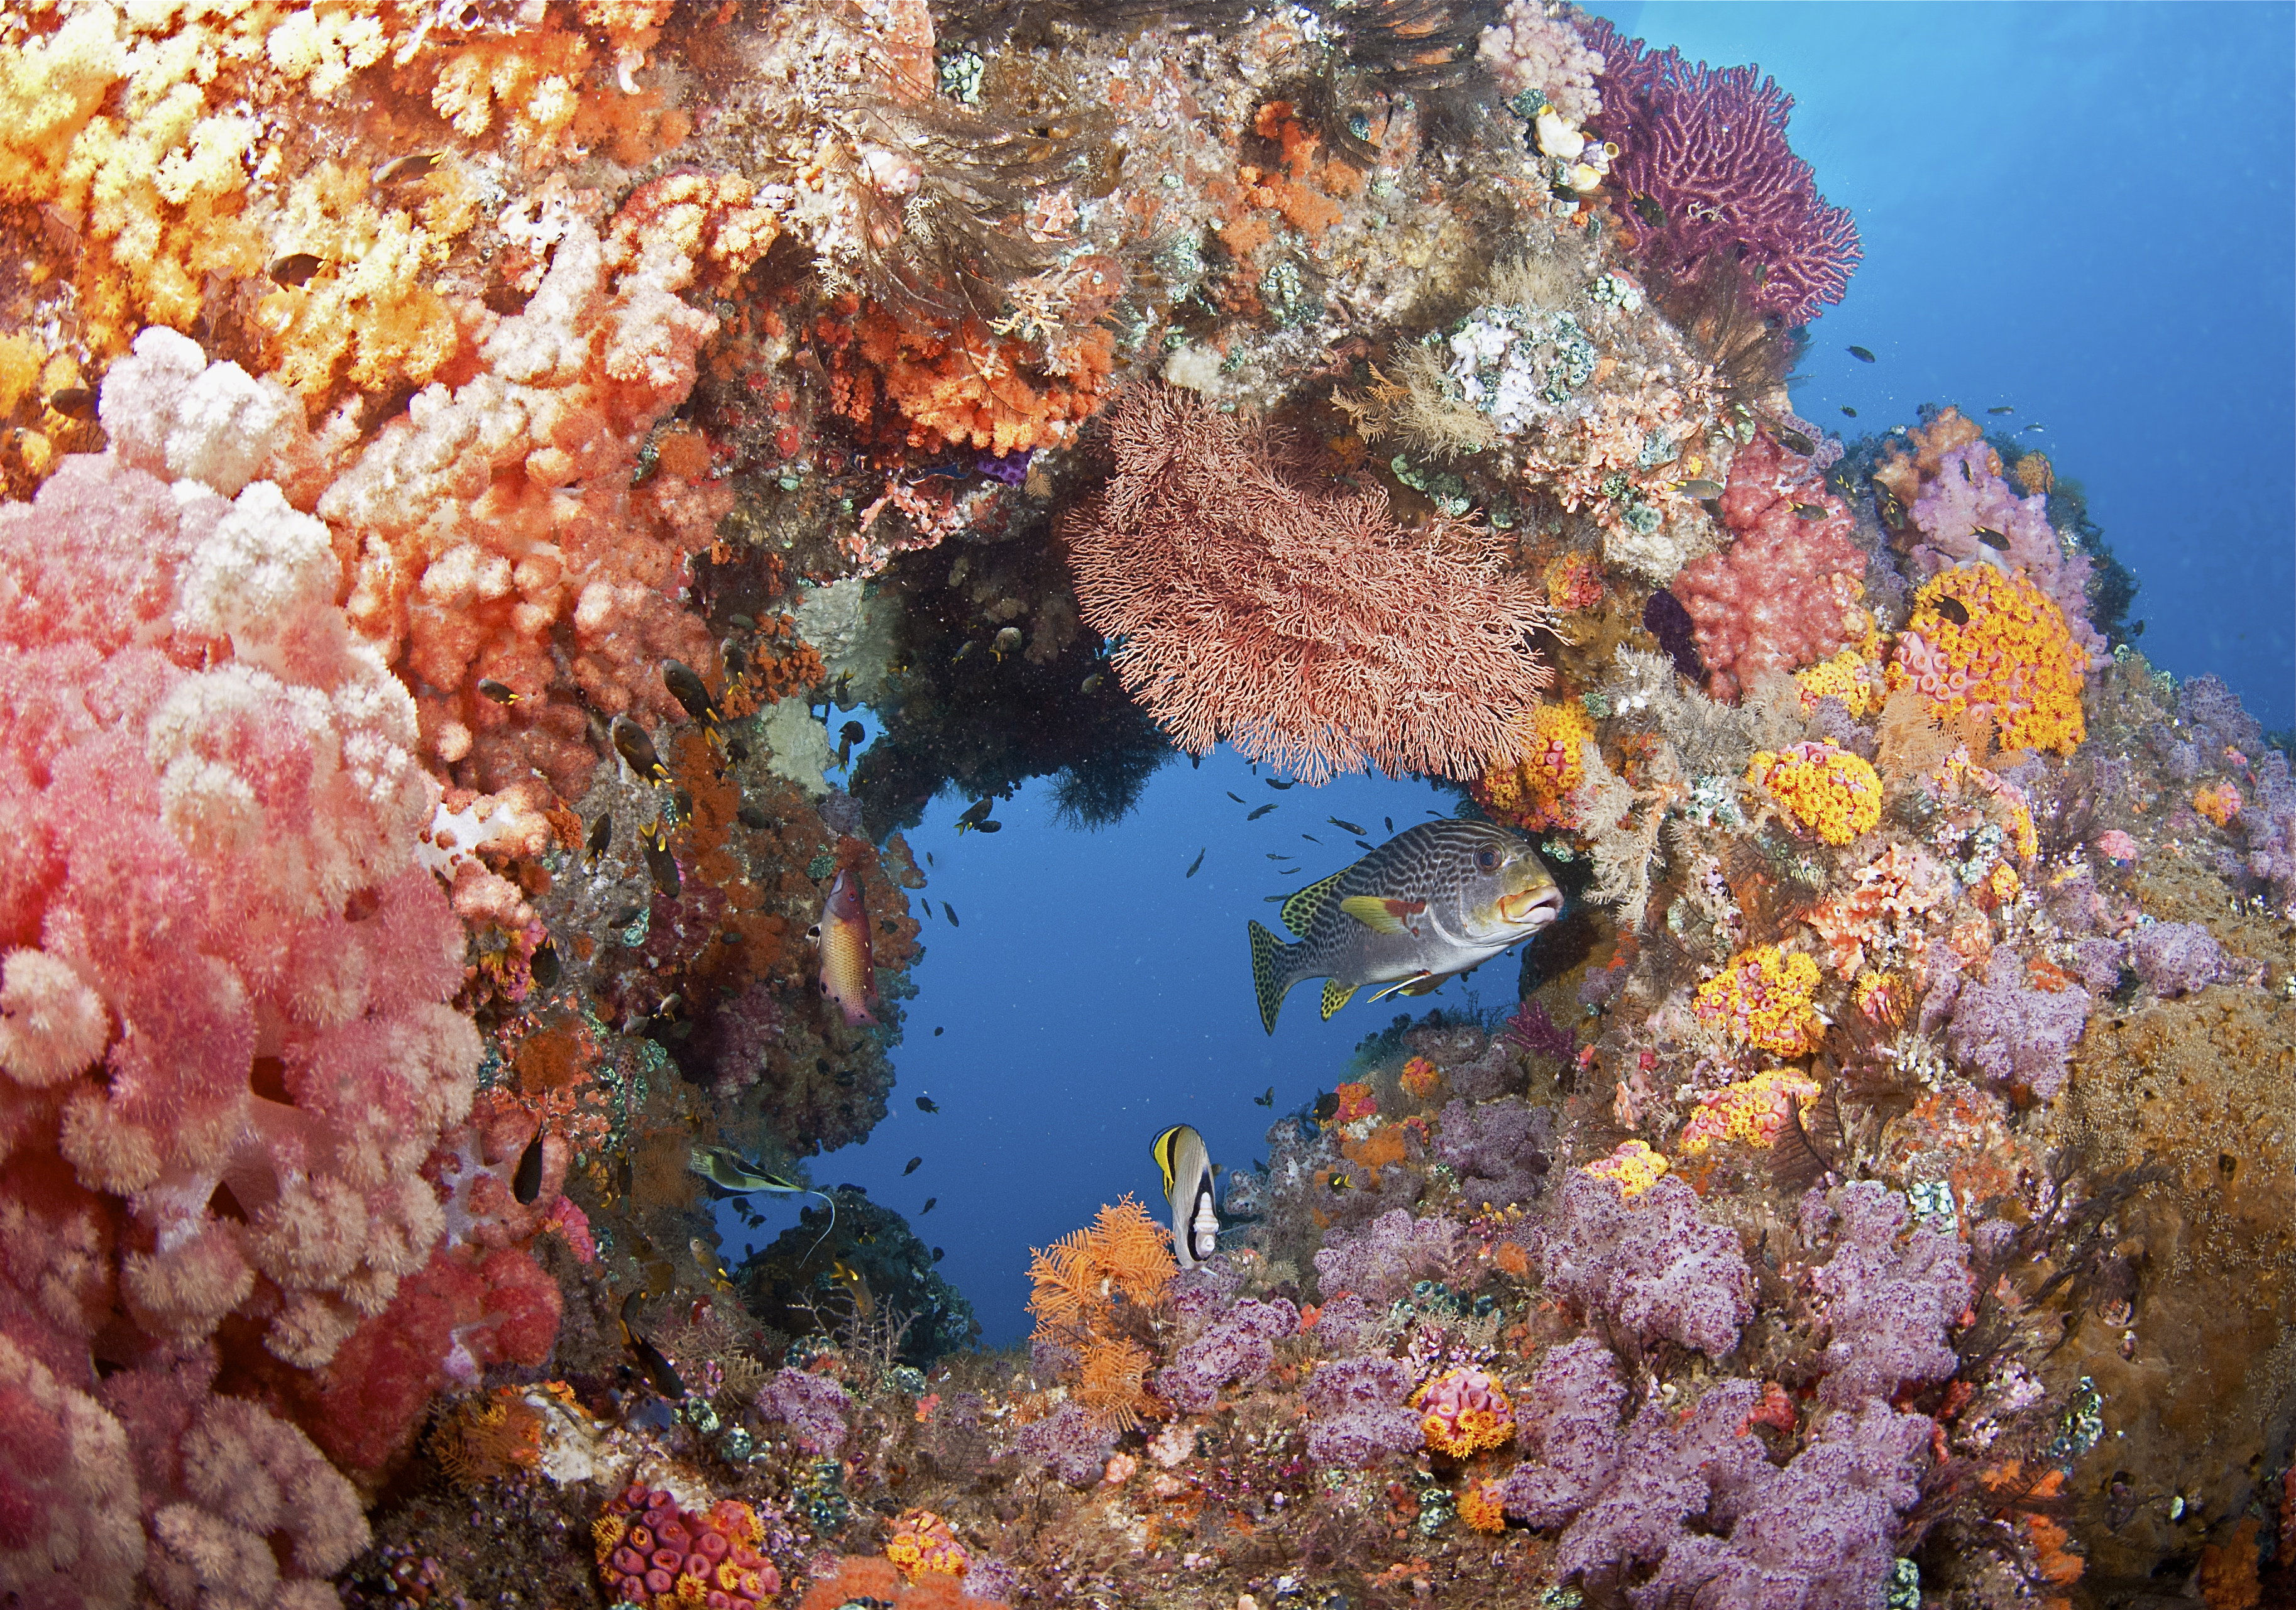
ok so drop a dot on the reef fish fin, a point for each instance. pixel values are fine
(1336, 995)
(1384, 914)
(1299, 911)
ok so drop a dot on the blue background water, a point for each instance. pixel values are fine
(2080, 211)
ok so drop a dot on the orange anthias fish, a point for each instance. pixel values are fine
(849, 971)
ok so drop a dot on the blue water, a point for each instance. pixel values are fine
(2082, 212)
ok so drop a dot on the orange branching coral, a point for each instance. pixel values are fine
(1357, 1102)
(1634, 1165)
(1536, 790)
(1080, 1278)
(1421, 1078)
(488, 1436)
(1751, 1112)
(1574, 582)
(2035, 474)
(1763, 999)
(1113, 1382)
(1832, 792)
(922, 1544)
(968, 385)
(1981, 639)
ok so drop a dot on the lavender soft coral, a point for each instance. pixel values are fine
(1888, 1306)
(1357, 1410)
(813, 1407)
(1968, 495)
(1238, 1347)
(2177, 958)
(2015, 1035)
(1382, 1260)
(1499, 1151)
(1650, 1264)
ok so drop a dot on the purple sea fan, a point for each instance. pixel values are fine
(1357, 1411)
(1649, 1263)
(1888, 1306)
(1383, 1260)
(1709, 145)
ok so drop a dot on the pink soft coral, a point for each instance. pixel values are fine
(1784, 595)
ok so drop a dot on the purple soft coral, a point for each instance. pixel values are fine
(1239, 1346)
(813, 1407)
(1499, 1151)
(1357, 1411)
(1887, 1306)
(1709, 147)
(1382, 1260)
(1651, 1263)
(2178, 958)
(2016, 1035)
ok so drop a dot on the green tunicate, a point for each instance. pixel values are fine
(1904, 1588)
(1658, 448)
(907, 1380)
(960, 76)
(2082, 1427)
(1285, 291)
(821, 866)
(1616, 486)
(1640, 517)
(1436, 1507)
(1932, 1204)
(1596, 704)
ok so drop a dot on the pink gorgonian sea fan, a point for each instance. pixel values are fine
(1708, 146)
(1252, 598)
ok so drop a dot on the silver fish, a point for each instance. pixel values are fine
(1434, 901)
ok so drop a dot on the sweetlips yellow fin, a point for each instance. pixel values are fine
(1272, 977)
(1381, 914)
(1418, 984)
(1299, 911)
(1336, 995)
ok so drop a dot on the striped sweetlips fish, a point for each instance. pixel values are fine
(1434, 901)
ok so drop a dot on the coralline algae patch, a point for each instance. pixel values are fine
(1764, 998)
(1830, 791)
(1981, 639)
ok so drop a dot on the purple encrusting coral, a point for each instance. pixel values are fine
(815, 1407)
(2177, 958)
(1357, 1411)
(1887, 1306)
(1238, 1348)
(2016, 1035)
(1709, 145)
(1382, 1260)
(1649, 1263)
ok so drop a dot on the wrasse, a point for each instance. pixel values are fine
(848, 968)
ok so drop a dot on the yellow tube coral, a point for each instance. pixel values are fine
(1830, 791)
(1763, 999)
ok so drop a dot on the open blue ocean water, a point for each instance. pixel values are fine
(2081, 212)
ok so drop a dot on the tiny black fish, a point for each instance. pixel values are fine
(1861, 355)
(962, 652)
(988, 827)
(928, 1207)
(1327, 1107)
(1263, 811)
(1282, 855)
(632, 744)
(1198, 862)
(501, 693)
(544, 963)
(975, 814)
(850, 732)
(2136, 628)
(1648, 210)
(686, 687)
(1091, 682)
(1391, 823)
(1847, 409)
(2005, 408)
(937, 1033)
(1701, 489)
(914, 1163)
(623, 918)
(1344, 826)
(1966, 474)
(680, 810)
(1796, 440)
(949, 912)
(1810, 512)
(938, 1254)
(1266, 1099)
(736, 750)
(525, 1184)
(1991, 538)
(1887, 506)
(1311, 839)
(660, 864)
(1365, 842)
(295, 268)
(1288, 782)
(75, 402)
(928, 860)
(1232, 794)
(734, 660)
(924, 905)
(925, 1104)
(750, 816)
(658, 1374)
(602, 840)
(2037, 425)
(1952, 609)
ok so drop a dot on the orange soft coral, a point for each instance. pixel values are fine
(969, 386)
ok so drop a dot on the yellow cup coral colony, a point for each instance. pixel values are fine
(1851, 676)
(2219, 803)
(1985, 640)
(1752, 1112)
(1480, 1509)
(1831, 791)
(1462, 1412)
(1634, 1165)
(1763, 999)
(1535, 791)
(924, 1544)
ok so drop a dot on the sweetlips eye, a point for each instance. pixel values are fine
(1487, 860)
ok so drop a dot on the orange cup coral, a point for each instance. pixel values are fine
(924, 1543)
(1832, 792)
(1752, 1112)
(1763, 999)
(1984, 639)
(1461, 1412)
(1634, 1165)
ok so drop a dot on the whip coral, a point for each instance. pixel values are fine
(1763, 999)
(1830, 791)
(1784, 594)
(1985, 640)
(1709, 145)
(1302, 626)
